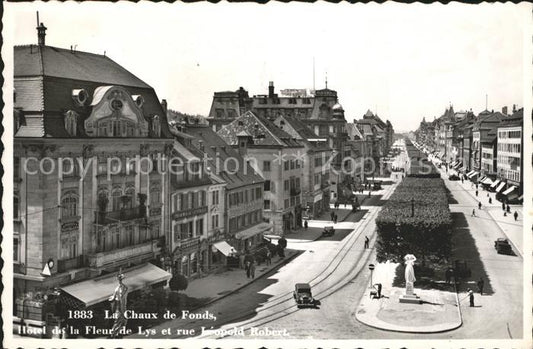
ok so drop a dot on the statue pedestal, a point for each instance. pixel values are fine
(409, 296)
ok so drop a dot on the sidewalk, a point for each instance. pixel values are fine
(229, 281)
(438, 311)
(512, 230)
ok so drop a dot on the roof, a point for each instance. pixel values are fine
(45, 77)
(263, 131)
(304, 133)
(214, 146)
(34, 60)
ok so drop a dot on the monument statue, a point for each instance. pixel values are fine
(409, 296)
(118, 306)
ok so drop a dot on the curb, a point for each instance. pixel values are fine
(283, 262)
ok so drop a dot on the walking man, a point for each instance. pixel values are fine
(471, 297)
(480, 285)
(248, 267)
(490, 200)
(332, 215)
(335, 218)
(366, 242)
(269, 257)
(473, 212)
(476, 192)
(479, 205)
(515, 215)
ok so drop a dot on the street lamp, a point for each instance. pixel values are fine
(371, 267)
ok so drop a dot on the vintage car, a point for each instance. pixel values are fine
(303, 296)
(503, 246)
(328, 231)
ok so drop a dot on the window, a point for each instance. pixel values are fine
(16, 207)
(286, 185)
(291, 162)
(267, 185)
(214, 221)
(286, 165)
(266, 166)
(266, 204)
(69, 205)
(199, 228)
(202, 198)
(156, 126)
(258, 193)
(130, 194)
(71, 124)
(214, 197)
(69, 246)
(116, 194)
(287, 203)
(194, 263)
(16, 249)
(297, 183)
(292, 100)
(155, 197)
(185, 266)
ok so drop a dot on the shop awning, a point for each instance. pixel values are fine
(257, 229)
(470, 173)
(462, 169)
(99, 289)
(225, 248)
(457, 165)
(482, 178)
(487, 180)
(521, 197)
(495, 183)
(500, 187)
(509, 190)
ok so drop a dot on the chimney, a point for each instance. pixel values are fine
(164, 105)
(41, 33)
(271, 89)
(504, 110)
(514, 108)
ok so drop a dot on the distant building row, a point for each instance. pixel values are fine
(488, 147)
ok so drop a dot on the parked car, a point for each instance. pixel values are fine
(453, 177)
(303, 296)
(328, 231)
(503, 246)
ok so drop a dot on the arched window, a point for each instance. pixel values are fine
(116, 194)
(130, 193)
(156, 126)
(69, 205)
(71, 122)
(194, 263)
(185, 266)
(155, 197)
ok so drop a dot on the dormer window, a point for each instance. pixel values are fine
(71, 122)
(156, 126)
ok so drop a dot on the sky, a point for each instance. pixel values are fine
(405, 61)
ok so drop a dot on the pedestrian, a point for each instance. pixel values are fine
(504, 214)
(474, 212)
(367, 241)
(503, 206)
(477, 186)
(480, 285)
(306, 225)
(476, 192)
(508, 208)
(462, 180)
(332, 215)
(269, 257)
(515, 215)
(448, 275)
(248, 267)
(490, 200)
(335, 218)
(369, 192)
(378, 285)
(479, 205)
(488, 195)
(471, 297)
(252, 270)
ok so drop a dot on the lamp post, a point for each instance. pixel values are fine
(371, 267)
(412, 207)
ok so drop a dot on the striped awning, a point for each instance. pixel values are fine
(521, 197)
(495, 183)
(487, 180)
(481, 178)
(470, 173)
(500, 187)
(457, 164)
(509, 190)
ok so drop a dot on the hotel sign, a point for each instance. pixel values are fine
(190, 212)
(69, 226)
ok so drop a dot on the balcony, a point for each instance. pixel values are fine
(125, 214)
(69, 264)
(295, 191)
(138, 251)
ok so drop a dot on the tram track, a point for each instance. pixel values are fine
(325, 275)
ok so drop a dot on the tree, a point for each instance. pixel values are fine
(178, 283)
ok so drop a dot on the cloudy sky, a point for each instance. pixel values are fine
(406, 61)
